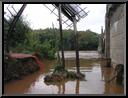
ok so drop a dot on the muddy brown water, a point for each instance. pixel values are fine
(95, 75)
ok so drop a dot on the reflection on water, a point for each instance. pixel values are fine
(77, 86)
(95, 75)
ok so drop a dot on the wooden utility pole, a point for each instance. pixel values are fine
(76, 46)
(61, 36)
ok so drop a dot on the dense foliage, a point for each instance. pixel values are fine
(18, 35)
(45, 42)
(88, 40)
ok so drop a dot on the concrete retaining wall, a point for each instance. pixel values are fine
(117, 34)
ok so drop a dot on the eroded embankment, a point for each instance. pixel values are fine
(18, 65)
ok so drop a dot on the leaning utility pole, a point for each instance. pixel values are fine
(76, 46)
(61, 36)
(13, 24)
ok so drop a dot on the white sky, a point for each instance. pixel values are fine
(39, 17)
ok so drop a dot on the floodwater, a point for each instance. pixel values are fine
(95, 76)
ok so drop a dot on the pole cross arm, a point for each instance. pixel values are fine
(16, 18)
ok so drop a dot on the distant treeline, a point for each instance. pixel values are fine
(88, 40)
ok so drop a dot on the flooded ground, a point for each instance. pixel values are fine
(95, 75)
(83, 54)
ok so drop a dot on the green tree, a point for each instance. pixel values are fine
(18, 35)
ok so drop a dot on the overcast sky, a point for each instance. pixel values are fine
(39, 17)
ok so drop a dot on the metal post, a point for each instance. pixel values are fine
(61, 36)
(76, 45)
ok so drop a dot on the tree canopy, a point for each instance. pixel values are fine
(88, 40)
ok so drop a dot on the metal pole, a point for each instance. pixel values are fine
(13, 24)
(61, 36)
(76, 45)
